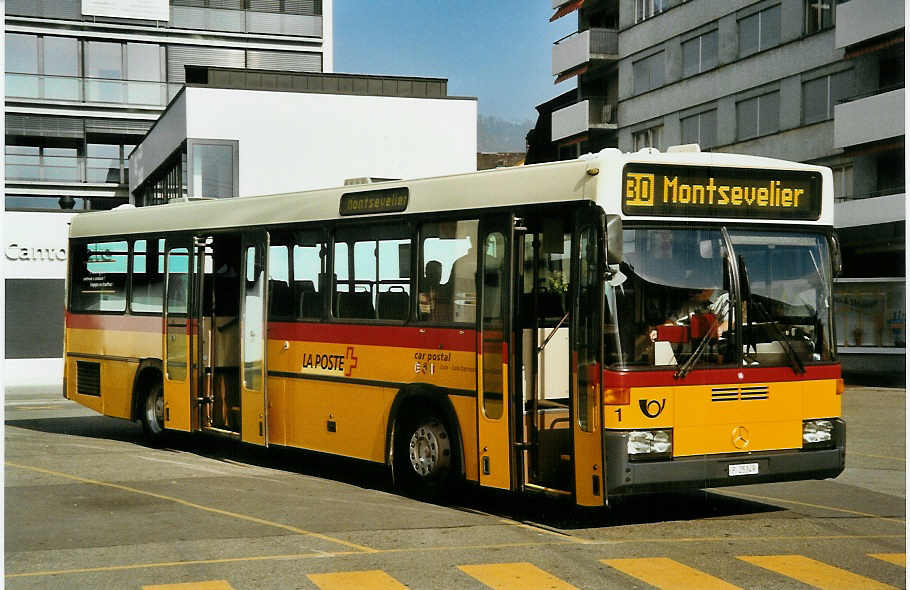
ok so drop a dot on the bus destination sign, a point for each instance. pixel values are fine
(702, 191)
(386, 200)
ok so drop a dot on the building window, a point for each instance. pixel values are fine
(699, 54)
(214, 169)
(107, 162)
(843, 182)
(44, 163)
(648, 73)
(168, 182)
(821, 94)
(758, 116)
(820, 14)
(700, 129)
(651, 137)
(33, 202)
(42, 67)
(645, 9)
(759, 31)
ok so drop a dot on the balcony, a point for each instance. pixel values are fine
(74, 89)
(886, 206)
(243, 21)
(869, 118)
(580, 48)
(581, 117)
(861, 20)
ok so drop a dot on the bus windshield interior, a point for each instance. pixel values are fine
(674, 306)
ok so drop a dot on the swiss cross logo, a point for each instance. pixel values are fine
(350, 361)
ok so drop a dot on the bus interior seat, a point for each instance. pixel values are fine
(355, 305)
(280, 298)
(393, 305)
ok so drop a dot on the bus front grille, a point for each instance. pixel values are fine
(744, 393)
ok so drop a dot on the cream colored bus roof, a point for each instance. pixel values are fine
(541, 183)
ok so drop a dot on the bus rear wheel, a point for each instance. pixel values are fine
(423, 456)
(153, 413)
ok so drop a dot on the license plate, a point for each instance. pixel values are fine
(743, 469)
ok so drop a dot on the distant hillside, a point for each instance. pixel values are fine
(498, 135)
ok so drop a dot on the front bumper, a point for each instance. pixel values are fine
(709, 471)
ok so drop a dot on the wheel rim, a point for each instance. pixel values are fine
(428, 449)
(154, 410)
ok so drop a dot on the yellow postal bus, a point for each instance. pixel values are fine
(614, 324)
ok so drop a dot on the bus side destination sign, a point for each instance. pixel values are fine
(386, 200)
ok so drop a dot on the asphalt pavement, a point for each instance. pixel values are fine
(89, 504)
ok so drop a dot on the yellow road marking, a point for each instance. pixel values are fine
(814, 573)
(895, 558)
(487, 547)
(665, 573)
(822, 506)
(367, 580)
(182, 502)
(137, 566)
(211, 585)
(514, 576)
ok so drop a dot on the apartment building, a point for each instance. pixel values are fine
(806, 80)
(85, 81)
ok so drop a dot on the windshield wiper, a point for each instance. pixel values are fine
(687, 366)
(779, 335)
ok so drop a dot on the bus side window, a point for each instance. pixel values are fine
(379, 286)
(281, 297)
(99, 277)
(147, 289)
(310, 257)
(447, 285)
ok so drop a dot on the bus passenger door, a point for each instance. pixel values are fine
(586, 340)
(253, 382)
(178, 335)
(494, 354)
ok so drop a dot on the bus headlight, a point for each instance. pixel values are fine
(649, 444)
(817, 433)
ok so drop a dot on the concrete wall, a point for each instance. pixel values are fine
(165, 137)
(34, 267)
(292, 141)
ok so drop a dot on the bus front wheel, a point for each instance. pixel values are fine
(153, 412)
(423, 456)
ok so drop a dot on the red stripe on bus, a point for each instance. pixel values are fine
(400, 336)
(715, 376)
(121, 323)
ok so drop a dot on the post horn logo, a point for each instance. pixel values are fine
(651, 407)
(740, 437)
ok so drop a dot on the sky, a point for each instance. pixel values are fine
(496, 50)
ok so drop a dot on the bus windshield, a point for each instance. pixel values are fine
(671, 299)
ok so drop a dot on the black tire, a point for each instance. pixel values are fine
(151, 413)
(424, 459)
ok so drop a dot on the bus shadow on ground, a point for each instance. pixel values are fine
(628, 510)
(536, 510)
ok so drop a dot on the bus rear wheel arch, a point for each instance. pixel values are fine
(425, 451)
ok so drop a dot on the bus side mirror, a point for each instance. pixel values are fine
(614, 239)
(837, 265)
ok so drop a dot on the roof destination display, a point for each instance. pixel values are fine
(702, 191)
